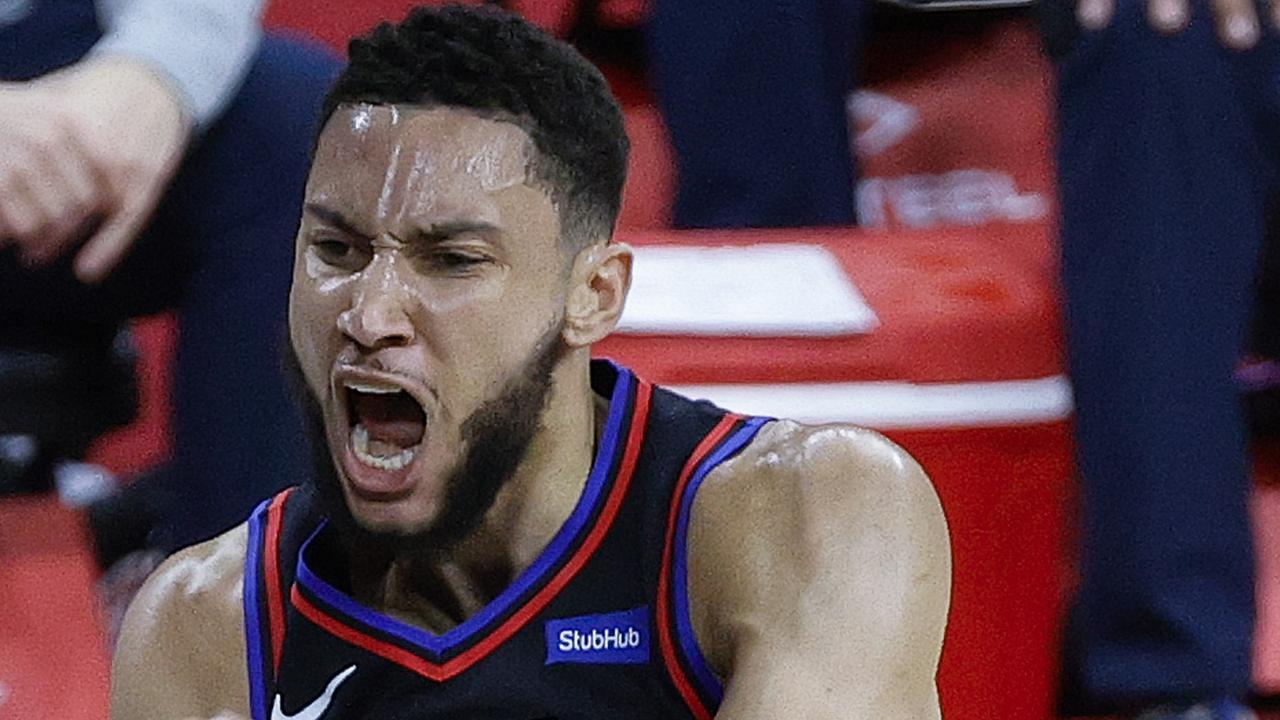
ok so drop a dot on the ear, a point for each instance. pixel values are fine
(599, 282)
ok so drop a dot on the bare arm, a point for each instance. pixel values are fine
(203, 47)
(827, 554)
(182, 651)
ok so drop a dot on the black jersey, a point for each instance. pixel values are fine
(597, 627)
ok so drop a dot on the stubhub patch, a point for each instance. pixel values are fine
(608, 639)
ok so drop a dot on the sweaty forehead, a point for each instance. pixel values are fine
(394, 159)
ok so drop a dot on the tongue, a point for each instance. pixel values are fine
(394, 419)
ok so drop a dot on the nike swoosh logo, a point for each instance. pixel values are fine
(318, 706)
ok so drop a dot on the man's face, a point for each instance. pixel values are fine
(429, 282)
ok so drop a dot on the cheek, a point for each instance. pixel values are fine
(489, 316)
(465, 324)
(313, 313)
(476, 339)
(454, 299)
(312, 270)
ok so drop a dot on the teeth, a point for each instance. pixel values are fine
(360, 439)
(360, 444)
(372, 389)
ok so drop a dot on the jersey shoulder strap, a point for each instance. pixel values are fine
(710, 437)
(277, 529)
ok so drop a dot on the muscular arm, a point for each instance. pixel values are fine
(181, 651)
(827, 556)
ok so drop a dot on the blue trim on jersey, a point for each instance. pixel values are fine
(252, 618)
(560, 544)
(711, 685)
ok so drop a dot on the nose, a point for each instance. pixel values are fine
(379, 314)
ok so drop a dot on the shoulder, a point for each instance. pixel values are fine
(849, 461)
(830, 482)
(833, 518)
(181, 649)
(207, 576)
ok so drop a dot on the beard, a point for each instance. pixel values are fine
(495, 439)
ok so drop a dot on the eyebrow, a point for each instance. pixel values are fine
(434, 233)
(336, 219)
(438, 232)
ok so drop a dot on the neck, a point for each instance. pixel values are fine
(441, 590)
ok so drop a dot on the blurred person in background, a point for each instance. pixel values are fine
(1166, 161)
(1168, 116)
(754, 94)
(152, 157)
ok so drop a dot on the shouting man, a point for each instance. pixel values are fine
(499, 526)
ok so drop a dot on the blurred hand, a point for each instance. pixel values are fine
(1237, 20)
(89, 147)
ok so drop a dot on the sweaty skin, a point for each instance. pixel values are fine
(422, 233)
(819, 560)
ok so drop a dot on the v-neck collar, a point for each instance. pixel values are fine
(616, 450)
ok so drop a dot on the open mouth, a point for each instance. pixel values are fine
(386, 425)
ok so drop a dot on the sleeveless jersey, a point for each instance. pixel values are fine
(598, 626)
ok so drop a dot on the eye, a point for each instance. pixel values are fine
(453, 261)
(338, 253)
(332, 249)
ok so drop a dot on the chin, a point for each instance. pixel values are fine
(406, 514)
(383, 524)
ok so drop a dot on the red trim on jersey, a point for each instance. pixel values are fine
(635, 437)
(440, 672)
(271, 569)
(394, 653)
(665, 641)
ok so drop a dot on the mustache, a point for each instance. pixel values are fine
(381, 364)
(496, 437)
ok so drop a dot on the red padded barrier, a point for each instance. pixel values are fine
(622, 13)
(335, 22)
(145, 442)
(1266, 530)
(53, 659)
(956, 130)
(554, 16)
(955, 306)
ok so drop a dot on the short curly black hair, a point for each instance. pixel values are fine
(498, 64)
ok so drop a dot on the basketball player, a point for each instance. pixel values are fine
(499, 526)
